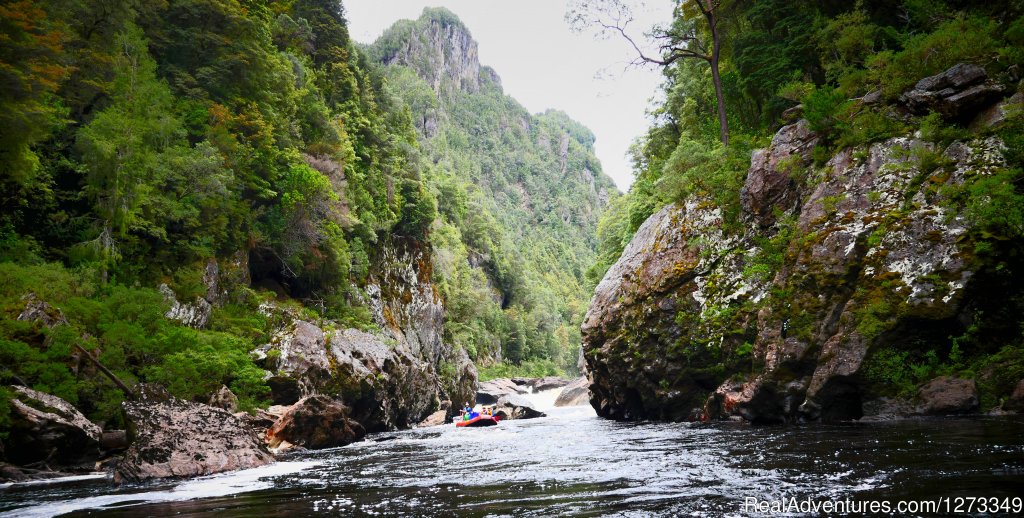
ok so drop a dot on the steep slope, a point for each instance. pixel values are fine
(519, 194)
(214, 194)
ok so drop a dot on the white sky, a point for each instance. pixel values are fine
(543, 64)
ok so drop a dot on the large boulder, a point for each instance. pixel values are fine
(956, 93)
(576, 393)
(387, 388)
(640, 362)
(224, 399)
(315, 422)
(48, 430)
(176, 438)
(489, 392)
(513, 406)
(947, 395)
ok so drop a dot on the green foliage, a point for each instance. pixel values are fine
(525, 369)
(32, 67)
(965, 38)
(127, 327)
(771, 251)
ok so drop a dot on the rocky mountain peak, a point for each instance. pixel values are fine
(438, 47)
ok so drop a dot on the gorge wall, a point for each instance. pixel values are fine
(852, 288)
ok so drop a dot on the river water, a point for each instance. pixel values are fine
(572, 463)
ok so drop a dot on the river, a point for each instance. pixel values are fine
(573, 463)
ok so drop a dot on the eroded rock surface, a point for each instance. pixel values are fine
(176, 438)
(689, 325)
(315, 422)
(46, 429)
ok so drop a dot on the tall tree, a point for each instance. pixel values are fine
(682, 40)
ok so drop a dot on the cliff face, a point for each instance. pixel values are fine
(441, 51)
(390, 378)
(882, 261)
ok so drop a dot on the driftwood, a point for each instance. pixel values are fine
(128, 392)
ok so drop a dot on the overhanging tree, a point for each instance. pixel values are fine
(684, 39)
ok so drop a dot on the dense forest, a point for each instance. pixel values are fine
(141, 140)
(843, 67)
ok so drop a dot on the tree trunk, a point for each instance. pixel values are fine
(716, 49)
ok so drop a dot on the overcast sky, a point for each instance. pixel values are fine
(543, 64)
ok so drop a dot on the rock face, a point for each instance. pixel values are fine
(693, 322)
(47, 429)
(315, 422)
(177, 438)
(956, 93)
(392, 378)
(576, 393)
(445, 51)
(770, 184)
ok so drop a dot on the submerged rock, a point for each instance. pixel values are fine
(48, 430)
(176, 438)
(576, 393)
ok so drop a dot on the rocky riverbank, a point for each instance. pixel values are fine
(844, 285)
